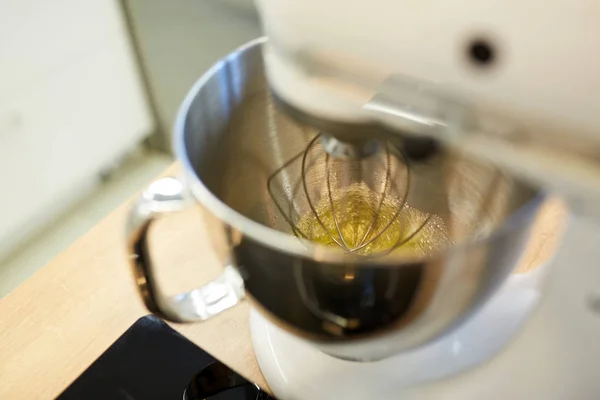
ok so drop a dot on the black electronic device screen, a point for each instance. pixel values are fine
(152, 361)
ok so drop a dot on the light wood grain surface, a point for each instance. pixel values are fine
(60, 320)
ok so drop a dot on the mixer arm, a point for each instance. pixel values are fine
(566, 164)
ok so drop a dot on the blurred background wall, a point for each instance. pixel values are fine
(88, 95)
(178, 40)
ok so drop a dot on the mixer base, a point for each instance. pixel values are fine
(296, 370)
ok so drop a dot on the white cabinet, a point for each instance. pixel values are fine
(38, 38)
(71, 102)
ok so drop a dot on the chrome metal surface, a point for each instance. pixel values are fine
(230, 138)
(161, 197)
(348, 150)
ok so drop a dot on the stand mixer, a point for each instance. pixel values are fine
(466, 76)
(393, 160)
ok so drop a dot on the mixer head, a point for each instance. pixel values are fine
(479, 90)
(421, 117)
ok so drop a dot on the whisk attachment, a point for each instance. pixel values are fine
(358, 204)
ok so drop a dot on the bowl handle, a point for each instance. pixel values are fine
(164, 196)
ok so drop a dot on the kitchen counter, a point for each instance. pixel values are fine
(61, 319)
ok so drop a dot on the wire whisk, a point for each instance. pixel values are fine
(357, 204)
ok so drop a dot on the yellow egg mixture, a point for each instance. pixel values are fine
(357, 220)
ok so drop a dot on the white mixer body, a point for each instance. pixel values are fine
(544, 56)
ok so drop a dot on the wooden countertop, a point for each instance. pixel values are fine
(61, 319)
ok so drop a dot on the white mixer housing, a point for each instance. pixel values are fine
(531, 59)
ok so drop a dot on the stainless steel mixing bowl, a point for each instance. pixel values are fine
(230, 137)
